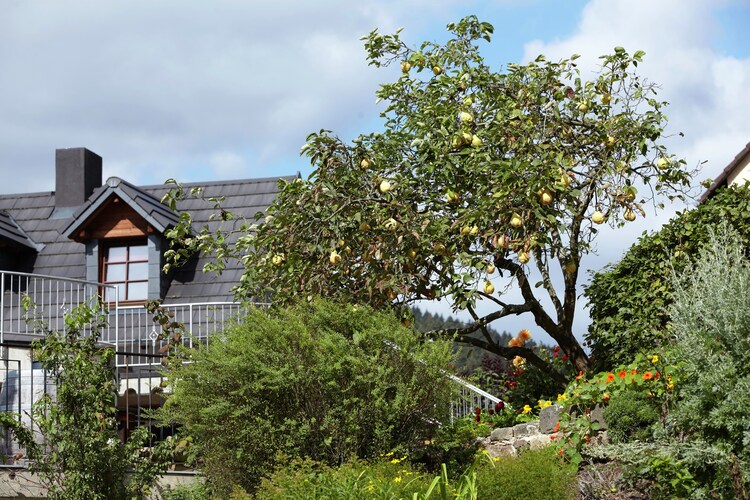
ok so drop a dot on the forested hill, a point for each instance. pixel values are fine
(469, 358)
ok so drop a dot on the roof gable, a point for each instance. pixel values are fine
(12, 233)
(153, 215)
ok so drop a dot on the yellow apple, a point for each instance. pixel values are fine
(474, 231)
(564, 178)
(502, 241)
(405, 66)
(277, 259)
(385, 186)
(365, 163)
(606, 98)
(662, 162)
(391, 224)
(516, 221)
(597, 217)
(437, 70)
(453, 197)
(468, 101)
(546, 196)
(476, 141)
(439, 248)
(490, 268)
(334, 258)
(465, 117)
(466, 138)
(523, 257)
(412, 253)
(489, 288)
(583, 107)
(610, 141)
(465, 231)
(629, 215)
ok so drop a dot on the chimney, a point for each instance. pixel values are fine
(78, 172)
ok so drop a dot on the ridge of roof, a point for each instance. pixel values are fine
(227, 182)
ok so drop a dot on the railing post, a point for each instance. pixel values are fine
(2, 307)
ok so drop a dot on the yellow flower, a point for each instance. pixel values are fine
(670, 383)
(398, 460)
(397, 479)
(526, 409)
(544, 404)
(562, 397)
(654, 359)
(519, 361)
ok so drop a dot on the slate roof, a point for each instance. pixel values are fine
(63, 257)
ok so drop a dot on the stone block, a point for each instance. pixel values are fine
(597, 415)
(501, 450)
(502, 434)
(539, 441)
(521, 444)
(548, 419)
(524, 430)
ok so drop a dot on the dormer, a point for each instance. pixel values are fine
(123, 229)
(16, 247)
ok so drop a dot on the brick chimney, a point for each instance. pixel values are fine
(78, 172)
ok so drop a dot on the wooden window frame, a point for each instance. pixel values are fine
(104, 247)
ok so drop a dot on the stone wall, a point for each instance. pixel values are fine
(508, 441)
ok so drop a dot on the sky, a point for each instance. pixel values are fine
(230, 89)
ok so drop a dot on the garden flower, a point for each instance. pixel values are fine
(610, 377)
(654, 359)
(515, 342)
(633, 372)
(526, 409)
(557, 426)
(397, 479)
(647, 376)
(622, 374)
(562, 397)
(524, 335)
(499, 406)
(555, 354)
(565, 357)
(579, 376)
(670, 383)
(657, 376)
(605, 398)
(544, 404)
(518, 361)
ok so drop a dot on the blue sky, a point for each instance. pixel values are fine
(230, 88)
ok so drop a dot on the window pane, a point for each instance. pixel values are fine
(139, 252)
(138, 271)
(116, 254)
(109, 292)
(115, 272)
(137, 291)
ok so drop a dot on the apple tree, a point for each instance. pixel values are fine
(480, 180)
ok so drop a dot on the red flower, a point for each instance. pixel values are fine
(555, 354)
(552, 438)
(605, 397)
(647, 376)
(657, 376)
(610, 377)
(633, 372)
(557, 426)
(565, 357)
(556, 348)
(579, 376)
(622, 374)
(499, 406)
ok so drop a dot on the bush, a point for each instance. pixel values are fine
(629, 301)
(711, 317)
(387, 478)
(538, 474)
(630, 415)
(323, 380)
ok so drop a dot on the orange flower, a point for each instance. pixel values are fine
(524, 335)
(515, 342)
(647, 376)
(610, 377)
(557, 426)
(552, 438)
(622, 374)
(633, 372)
(579, 376)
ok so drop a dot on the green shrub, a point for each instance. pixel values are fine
(387, 478)
(197, 490)
(630, 415)
(322, 380)
(629, 301)
(711, 317)
(537, 474)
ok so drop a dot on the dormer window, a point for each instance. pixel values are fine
(125, 266)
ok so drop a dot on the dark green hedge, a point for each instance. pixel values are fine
(629, 300)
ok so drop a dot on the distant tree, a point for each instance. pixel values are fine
(478, 175)
(630, 300)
